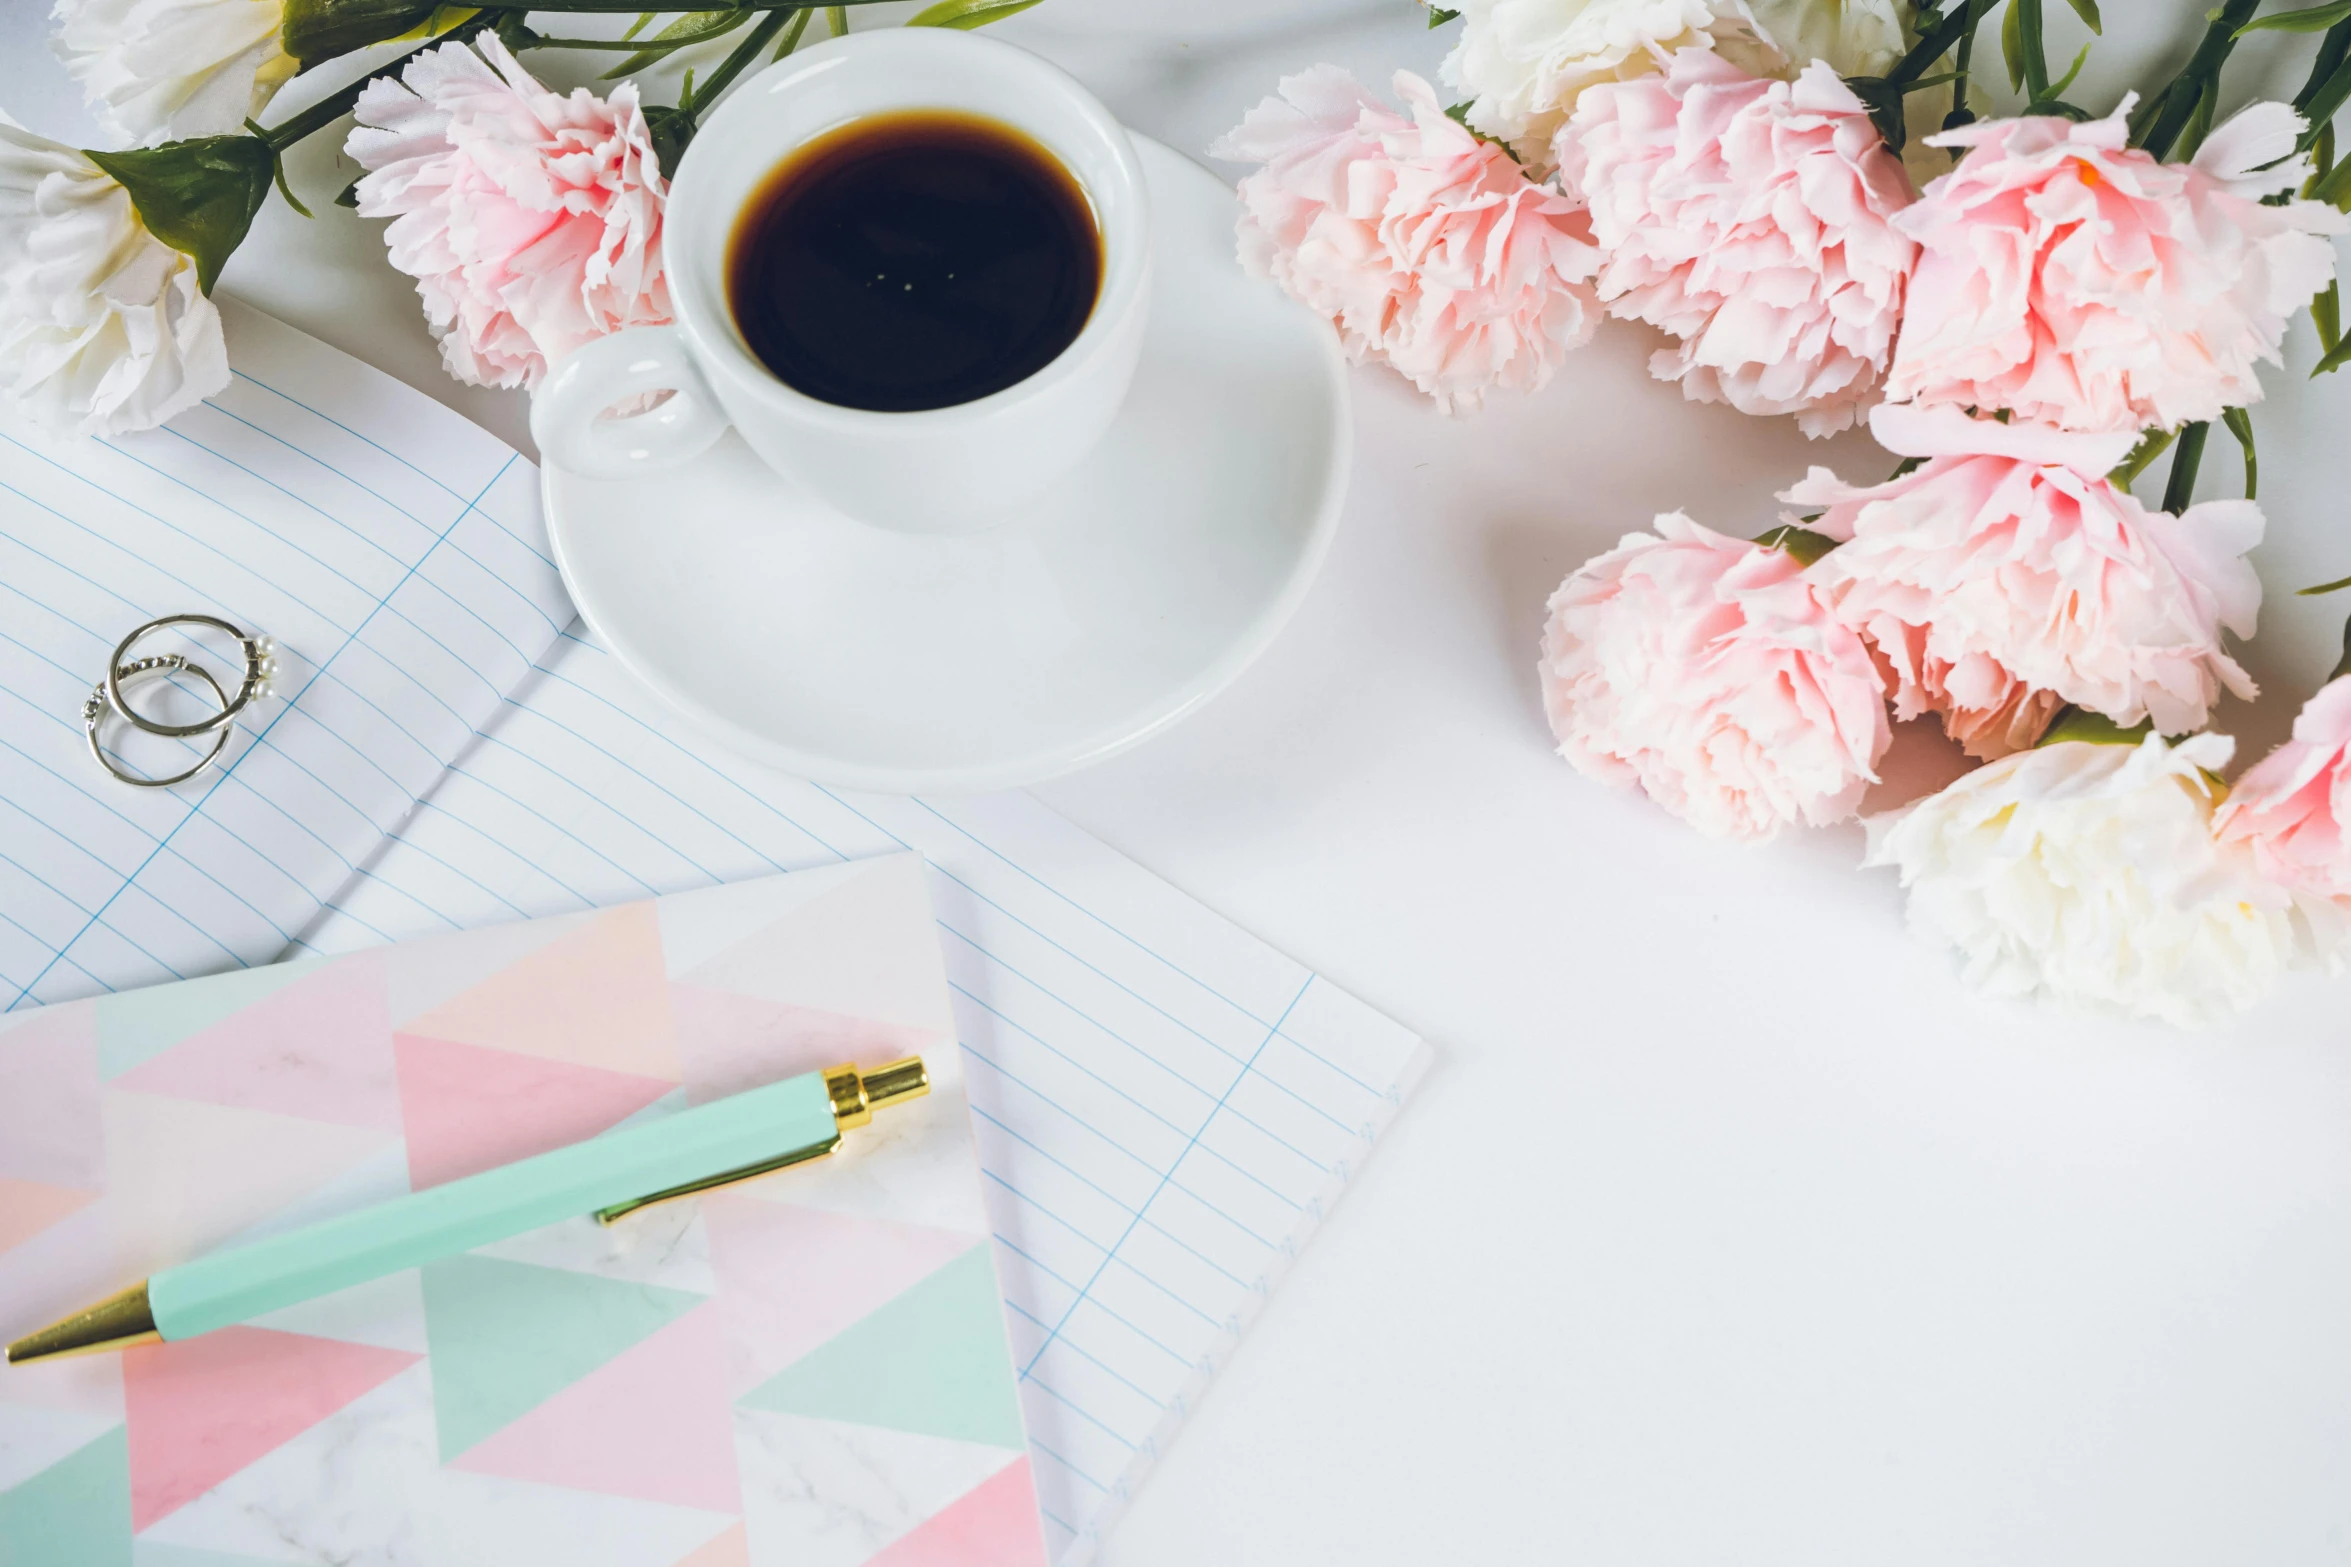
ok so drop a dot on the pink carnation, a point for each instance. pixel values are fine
(1752, 219)
(530, 221)
(2078, 282)
(1707, 671)
(2294, 809)
(2007, 578)
(1428, 247)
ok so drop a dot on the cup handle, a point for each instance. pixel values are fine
(566, 407)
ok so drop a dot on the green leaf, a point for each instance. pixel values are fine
(2324, 588)
(2151, 446)
(2334, 187)
(349, 196)
(1802, 543)
(2326, 313)
(967, 14)
(2077, 724)
(672, 130)
(2335, 359)
(2317, 19)
(2048, 100)
(2240, 425)
(2012, 44)
(277, 161)
(1439, 16)
(198, 196)
(792, 34)
(692, 28)
(643, 21)
(315, 30)
(836, 20)
(2087, 10)
(1459, 115)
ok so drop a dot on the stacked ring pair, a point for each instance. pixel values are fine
(123, 670)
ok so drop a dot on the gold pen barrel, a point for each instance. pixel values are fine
(857, 1095)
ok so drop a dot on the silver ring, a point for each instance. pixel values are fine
(103, 696)
(260, 665)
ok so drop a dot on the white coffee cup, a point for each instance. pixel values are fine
(939, 470)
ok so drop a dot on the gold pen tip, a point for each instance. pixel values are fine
(117, 1322)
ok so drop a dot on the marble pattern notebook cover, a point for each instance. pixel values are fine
(808, 1369)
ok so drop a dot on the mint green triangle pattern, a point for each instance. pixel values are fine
(504, 1337)
(932, 1361)
(77, 1510)
(153, 1553)
(139, 1025)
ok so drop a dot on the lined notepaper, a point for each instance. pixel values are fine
(403, 573)
(1166, 1106)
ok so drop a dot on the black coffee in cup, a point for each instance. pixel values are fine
(914, 260)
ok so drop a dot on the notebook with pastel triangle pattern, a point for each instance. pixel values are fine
(811, 1368)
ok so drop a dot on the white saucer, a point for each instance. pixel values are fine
(877, 660)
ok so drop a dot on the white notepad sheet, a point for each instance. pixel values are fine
(395, 552)
(1165, 1105)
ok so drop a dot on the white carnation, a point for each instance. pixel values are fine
(1857, 37)
(2089, 873)
(1523, 63)
(167, 70)
(103, 328)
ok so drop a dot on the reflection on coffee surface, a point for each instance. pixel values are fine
(914, 260)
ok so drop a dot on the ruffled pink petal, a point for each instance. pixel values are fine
(530, 220)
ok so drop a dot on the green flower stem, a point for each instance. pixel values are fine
(334, 106)
(2184, 463)
(2344, 668)
(637, 7)
(2240, 425)
(2158, 124)
(1961, 114)
(2033, 52)
(737, 61)
(1933, 43)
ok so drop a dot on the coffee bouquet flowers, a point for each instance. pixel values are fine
(1810, 203)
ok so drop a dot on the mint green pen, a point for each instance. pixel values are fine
(716, 1144)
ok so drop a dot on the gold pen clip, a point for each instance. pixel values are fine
(855, 1095)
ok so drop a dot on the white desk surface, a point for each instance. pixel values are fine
(1730, 1230)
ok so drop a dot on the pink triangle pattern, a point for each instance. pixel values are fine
(765, 1253)
(29, 1207)
(468, 1108)
(729, 1042)
(867, 948)
(49, 1119)
(652, 1422)
(598, 997)
(202, 1409)
(995, 1524)
(731, 1549)
(320, 1049)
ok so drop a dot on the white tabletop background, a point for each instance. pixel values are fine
(1730, 1230)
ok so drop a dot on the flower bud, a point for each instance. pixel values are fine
(198, 197)
(318, 30)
